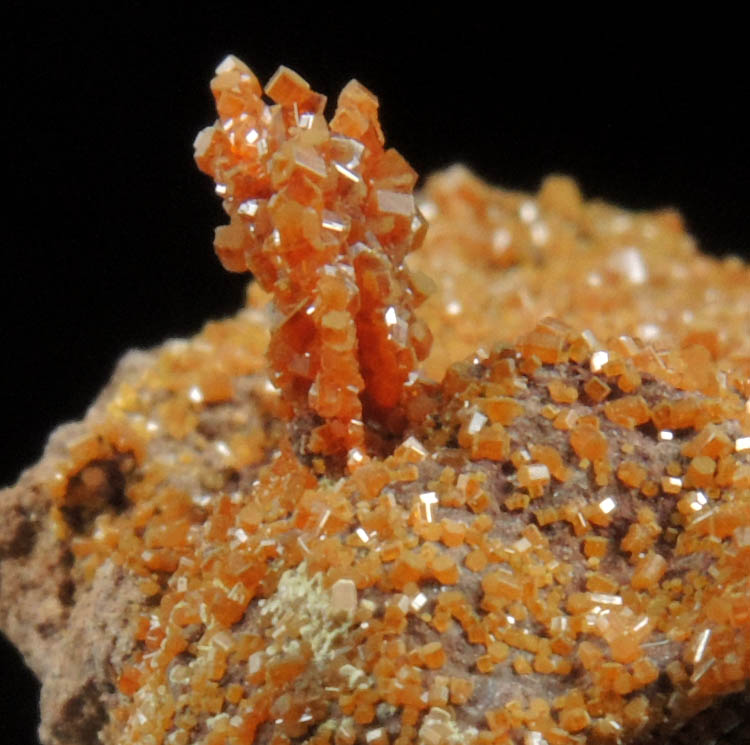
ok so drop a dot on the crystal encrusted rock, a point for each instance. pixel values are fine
(550, 546)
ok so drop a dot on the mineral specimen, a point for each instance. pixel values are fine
(550, 546)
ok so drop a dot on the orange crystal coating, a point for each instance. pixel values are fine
(558, 553)
(323, 216)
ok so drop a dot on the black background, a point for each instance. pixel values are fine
(108, 225)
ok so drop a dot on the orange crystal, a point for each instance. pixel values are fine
(323, 216)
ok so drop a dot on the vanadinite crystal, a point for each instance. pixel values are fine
(323, 216)
(550, 546)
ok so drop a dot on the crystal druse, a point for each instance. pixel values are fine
(508, 507)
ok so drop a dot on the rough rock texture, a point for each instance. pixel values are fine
(72, 634)
(75, 631)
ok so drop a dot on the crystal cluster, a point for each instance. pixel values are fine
(504, 260)
(558, 554)
(323, 216)
(554, 549)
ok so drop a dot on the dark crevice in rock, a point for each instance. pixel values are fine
(98, 487)
(81, 718)
(19, 537)
(66, 592)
